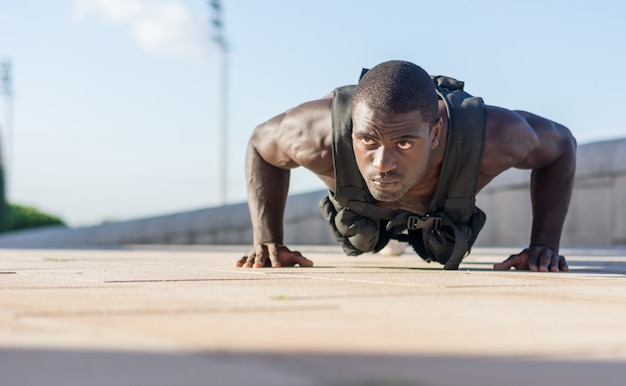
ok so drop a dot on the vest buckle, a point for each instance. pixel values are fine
(415, 222)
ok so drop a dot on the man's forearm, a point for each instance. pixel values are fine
(268, 187)
(551, 189)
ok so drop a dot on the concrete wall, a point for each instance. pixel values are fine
(229, 224)
(597, 214)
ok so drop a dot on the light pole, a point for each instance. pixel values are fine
(222, 141)
(7, 91)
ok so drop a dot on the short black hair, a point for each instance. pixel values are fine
(398, 87)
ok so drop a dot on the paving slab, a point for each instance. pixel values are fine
(183, 315)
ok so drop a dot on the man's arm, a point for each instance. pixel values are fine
(295, 138)
(552, 159)
(551, 186)
(268, 186)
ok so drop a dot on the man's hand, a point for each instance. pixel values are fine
(536, 259)
(272, 255)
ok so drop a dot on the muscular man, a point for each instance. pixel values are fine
(411, 140)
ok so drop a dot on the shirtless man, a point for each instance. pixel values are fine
(399, 156)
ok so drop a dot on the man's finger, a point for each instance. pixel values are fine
(506, 264)
(296, 258)
(544, 260)
(533, 260)
(303, 261)
(247, 260)
(273, 252)
(563, 264)
(241, 261)
(554, 264)
(250, 259)
(260, 259)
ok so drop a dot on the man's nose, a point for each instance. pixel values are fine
(384, 160)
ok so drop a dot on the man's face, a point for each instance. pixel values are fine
(392, 150)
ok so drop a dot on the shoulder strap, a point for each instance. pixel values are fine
(456, 190)
(454, 200)
(349, 209)
(349, 183)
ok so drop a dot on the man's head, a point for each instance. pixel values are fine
(398, 87)
(395, 127)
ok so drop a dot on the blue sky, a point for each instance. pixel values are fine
(115, 107)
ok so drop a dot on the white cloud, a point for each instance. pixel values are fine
(158, 26)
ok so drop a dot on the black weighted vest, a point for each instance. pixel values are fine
(448, 230)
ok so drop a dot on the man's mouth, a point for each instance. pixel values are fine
(385, 183)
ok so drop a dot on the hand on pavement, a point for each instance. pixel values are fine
(272, 255)
(536, 259)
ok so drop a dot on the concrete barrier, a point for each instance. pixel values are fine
(228, 224)
(597, 214)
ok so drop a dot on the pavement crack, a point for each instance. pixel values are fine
(181, 280)
(174, 311)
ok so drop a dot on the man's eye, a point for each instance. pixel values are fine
(367, 141)
(404, 145)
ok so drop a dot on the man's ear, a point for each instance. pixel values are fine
(435, 133)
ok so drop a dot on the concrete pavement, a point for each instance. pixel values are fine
(184, 316)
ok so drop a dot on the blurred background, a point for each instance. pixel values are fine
(114, 109)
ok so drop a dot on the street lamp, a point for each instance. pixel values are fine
(5, 68)
(222, 155)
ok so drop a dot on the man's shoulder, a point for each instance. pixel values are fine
(506, 127)
(309, 114)
(508, 139)
(305, 134)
